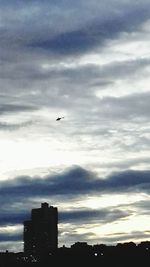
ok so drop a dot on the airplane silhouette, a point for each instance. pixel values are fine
(59, 118)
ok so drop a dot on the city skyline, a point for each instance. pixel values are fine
(85, 61)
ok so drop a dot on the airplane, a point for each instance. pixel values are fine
(59, 118)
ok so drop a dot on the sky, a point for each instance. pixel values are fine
(87, 61)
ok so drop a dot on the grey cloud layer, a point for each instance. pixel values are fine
(81, 31)
(73, 83)
(80, 41)
(22, 71)
(74, 182)
(10, 237)
(14, 126)
(14, 108)
(80, 216)
(90, 215)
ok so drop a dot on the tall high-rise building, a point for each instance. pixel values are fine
(41, 232)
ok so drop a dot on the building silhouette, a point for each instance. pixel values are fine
(41, 232)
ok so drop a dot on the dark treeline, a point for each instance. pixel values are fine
(121, 255)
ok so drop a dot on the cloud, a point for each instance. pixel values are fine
(74, 182)
(74, 86)
(80, 216)
(128, 107)
(92, 216)
(84, 25)
(95, 34)
(14, 108)
(9, 217)
(14, 126)
(116, 238)
(10, 237)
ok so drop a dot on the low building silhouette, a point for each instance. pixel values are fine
(41, 232)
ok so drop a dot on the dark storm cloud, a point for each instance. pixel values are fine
(10, 237)
(89, 215)
(74, 182)
(86, 216)
(11, 217)
(67, 27)
(80, 41)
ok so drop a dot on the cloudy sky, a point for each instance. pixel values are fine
(88, 61)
